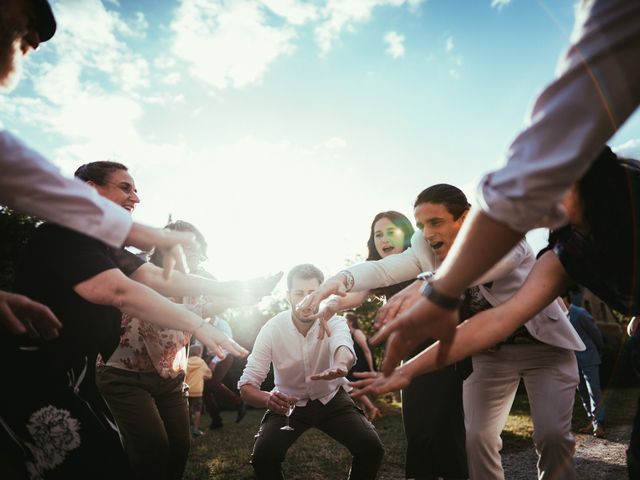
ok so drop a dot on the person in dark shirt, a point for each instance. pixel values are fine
(56, 424)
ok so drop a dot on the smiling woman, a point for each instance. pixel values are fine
(112, 180)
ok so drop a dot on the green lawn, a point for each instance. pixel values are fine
(224, 454)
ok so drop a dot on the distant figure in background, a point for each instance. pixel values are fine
(588, 367)
(217, 393)
(364, 363)
(197, 373)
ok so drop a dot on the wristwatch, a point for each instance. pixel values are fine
(440, 299)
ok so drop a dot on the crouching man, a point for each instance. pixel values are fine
(309, 375)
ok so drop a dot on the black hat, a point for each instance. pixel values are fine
(44, 21)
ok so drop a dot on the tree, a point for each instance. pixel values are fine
(15, 231)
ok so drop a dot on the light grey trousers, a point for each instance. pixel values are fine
(550, 375)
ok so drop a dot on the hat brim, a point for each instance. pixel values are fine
(45, 22)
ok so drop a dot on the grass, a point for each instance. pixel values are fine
(223, 454)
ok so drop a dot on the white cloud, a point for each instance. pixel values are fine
(339, 15)
(395, 44)
(228, 43)
(630, 148)
(414, 5)
(449, 45)
(164, 62)
(454, 59)
(172, 78)
(294, 11)
(233, 43)
(335, 143)
(90, 92)
(499, 4)
(140, 25)
(88, 36)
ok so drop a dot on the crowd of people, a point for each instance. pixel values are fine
(106, 348)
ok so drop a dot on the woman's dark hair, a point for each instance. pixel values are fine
(98, 172)
(454, 199)
(607, 193)
(181, 226)
(400, 221)
(353, 318)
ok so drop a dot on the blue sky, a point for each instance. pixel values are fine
(281, 127)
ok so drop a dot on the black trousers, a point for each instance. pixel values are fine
(339, 418)
(433, 418)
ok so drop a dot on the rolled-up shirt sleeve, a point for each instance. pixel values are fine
(30, 184)
(259, 360)
(596, 90)
(390, 270)
(340, 336)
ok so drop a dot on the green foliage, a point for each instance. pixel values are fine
(15, 231)
(623, 320)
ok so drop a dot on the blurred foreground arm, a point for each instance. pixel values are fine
(20, 314)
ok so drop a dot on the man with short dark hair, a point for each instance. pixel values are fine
(540, 353)
(310, 386)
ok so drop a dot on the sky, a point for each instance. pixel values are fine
(281, 127)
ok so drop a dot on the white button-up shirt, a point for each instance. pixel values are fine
(295, 357)
(32, 185)
(597, 89)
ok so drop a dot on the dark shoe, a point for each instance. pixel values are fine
(242, 411)
(215, 425)
(598, 432)
(196, 432)
(587, 428)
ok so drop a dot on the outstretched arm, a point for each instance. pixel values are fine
(547, 280)
(181, 284)
(544, 161)
(112, 287)
(334, 304)
(343, 360)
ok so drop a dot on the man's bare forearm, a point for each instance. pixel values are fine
(481, 243)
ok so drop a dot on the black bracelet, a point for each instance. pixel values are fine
(443, 301)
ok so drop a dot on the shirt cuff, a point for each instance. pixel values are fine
(115, 226)
(520, 214)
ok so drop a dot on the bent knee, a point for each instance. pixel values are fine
(553, 438)
(370, 446)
